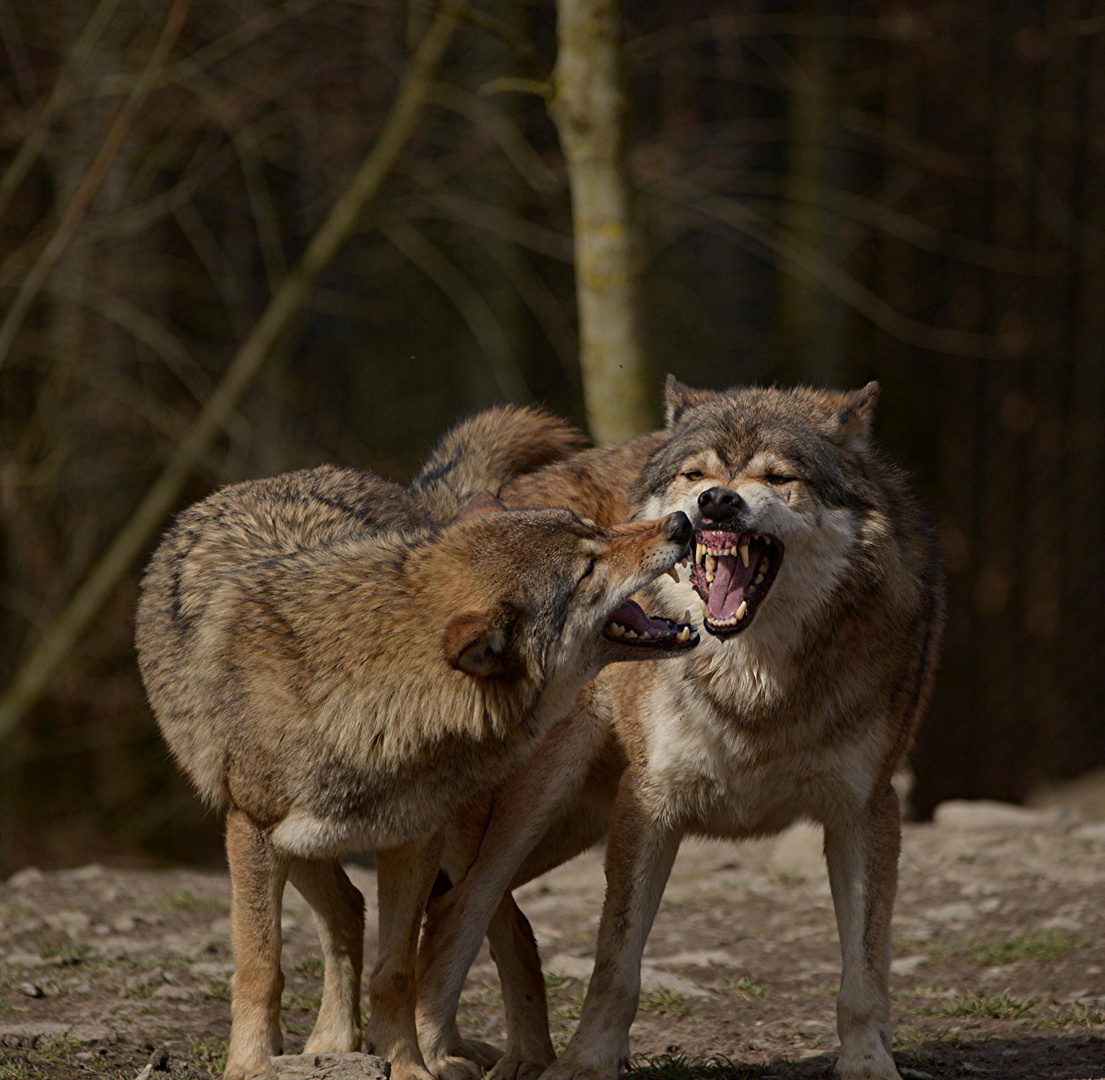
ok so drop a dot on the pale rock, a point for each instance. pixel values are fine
(653, 980)
(799, 852)
(907, 965)
(967, 815)
(29, 875)
(571, 967)
(950, 913)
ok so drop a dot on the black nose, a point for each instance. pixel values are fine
(680, 529)
(720, 503)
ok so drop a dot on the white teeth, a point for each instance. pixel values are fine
(758, 579)
(644, 635)
(684, 634)
(744, 554)
(710, 577)
(631, 634)
(699, 550)
(705, 609)
(711, 563)
(673, 575)
(617, 629)
(741, 610)
(763, 566)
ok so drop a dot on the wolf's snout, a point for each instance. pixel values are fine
(680, 529)
(720, 503)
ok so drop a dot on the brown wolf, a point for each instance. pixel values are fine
(821, 590)
(343, 674)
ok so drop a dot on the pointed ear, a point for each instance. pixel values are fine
(476, 644)
(481, 503)
(856, 416)
(678, 398)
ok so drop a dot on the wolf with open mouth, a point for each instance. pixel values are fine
(820, 585)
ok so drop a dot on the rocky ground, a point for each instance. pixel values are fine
(999, 966)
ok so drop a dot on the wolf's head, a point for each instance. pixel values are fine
(546, 595)
(775, 484)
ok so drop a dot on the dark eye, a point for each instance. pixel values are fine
(590, 569)
(694, 474)
(780, 478)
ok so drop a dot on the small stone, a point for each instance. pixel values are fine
(85, 1055)
(907, 965)
(950, 913)
(25, 960)
(32, 990)
(174, 993)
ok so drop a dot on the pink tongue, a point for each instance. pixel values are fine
(632, 617)
(731, 578)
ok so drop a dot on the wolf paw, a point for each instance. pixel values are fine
(514, 1065)
(877, 1064)
(453, 1067)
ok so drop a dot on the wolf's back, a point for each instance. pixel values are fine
(488, 450)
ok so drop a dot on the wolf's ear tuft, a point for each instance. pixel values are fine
(483, 502)
(476, 644)
(856, 416)
(679, 397)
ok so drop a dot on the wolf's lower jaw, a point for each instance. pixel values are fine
(732, 573)
(629, 625)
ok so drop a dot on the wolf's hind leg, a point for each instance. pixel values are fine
(405, 876)
(514, 950)
(338, 909)
(257, 874)
(862, 854)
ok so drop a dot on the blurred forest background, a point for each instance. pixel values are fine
(911, 190)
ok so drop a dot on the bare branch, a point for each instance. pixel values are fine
(32, 678)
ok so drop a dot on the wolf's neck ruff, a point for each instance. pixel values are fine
(732, 573)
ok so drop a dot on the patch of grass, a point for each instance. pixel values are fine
(186, 900)
(1038, 945)
(997, 1007)
(571, 1009)
(311, 966)
(665, 1002)
(209, 1053)
(65, 951)
(1077, 1016)
(746, 989)
(679, 1067)
(218, 990)
(303, 1000)
(830, 990)
(554, 982)
(43, 1060)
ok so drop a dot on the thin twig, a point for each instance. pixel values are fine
(32, 678)
(86, 192)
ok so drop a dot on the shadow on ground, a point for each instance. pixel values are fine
(1058, 1057)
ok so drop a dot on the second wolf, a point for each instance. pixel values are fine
(343, 673)
(821, 589)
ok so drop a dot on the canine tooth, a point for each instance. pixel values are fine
(684, 634)
(741, 610)
(673, 575)
(710, 577)
(767, 539)
(744, 554)
(687, 615)
(758, 579)
(711, 563)
(705, 609)
(632, 634)
(698, 552)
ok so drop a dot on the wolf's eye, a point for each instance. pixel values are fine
(590, 569)
(780, 478)
(693, 474)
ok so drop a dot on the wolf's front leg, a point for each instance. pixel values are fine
(404, 877)
(862, 853)
(639, 855)
(257, 874)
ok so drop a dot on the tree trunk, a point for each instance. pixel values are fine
(591, 112)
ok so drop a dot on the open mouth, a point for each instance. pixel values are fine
(733, 572)
(629, 625)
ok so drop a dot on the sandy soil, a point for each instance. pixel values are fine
(999, 966)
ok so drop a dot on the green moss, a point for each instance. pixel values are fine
(665, 1002)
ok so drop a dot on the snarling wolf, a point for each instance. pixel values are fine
(343, 673)
(821, 591)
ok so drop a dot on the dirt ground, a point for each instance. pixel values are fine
(999, 966)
